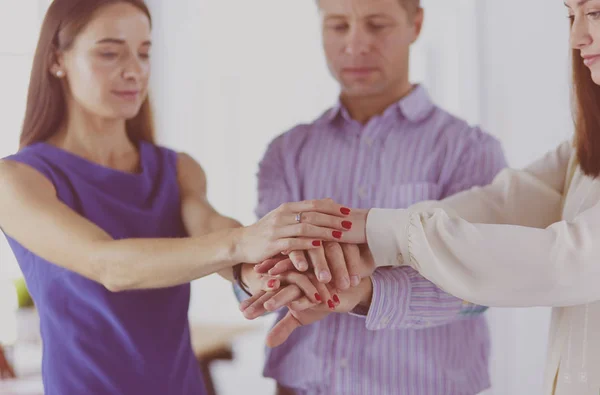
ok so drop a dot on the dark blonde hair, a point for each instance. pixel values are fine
(412, 6)
(46, 104)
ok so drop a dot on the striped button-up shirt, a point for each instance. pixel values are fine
(416, 339)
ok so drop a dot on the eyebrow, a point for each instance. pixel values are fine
(119, 41)
(579, 3)
(369, 16)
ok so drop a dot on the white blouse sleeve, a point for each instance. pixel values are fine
(501, 245)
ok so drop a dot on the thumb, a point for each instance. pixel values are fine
(268, 264)
(282, 330)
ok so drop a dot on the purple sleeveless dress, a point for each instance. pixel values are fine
(96, 342)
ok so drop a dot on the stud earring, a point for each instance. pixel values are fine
(60, 73)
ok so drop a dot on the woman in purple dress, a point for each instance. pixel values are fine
(109, 228)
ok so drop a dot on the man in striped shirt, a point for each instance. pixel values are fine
(386, 145)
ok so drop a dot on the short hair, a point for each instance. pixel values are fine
(412, 6)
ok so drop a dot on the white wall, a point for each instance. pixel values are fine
(525, 102)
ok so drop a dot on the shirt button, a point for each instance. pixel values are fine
(400, 260)
(362, 192)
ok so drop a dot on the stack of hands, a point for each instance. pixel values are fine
(314, 283)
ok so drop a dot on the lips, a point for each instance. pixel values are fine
(358, 71)
(127, 94)
(589, 60)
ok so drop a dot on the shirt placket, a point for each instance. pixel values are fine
(366, 166)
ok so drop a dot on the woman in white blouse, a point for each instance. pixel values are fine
(532, 238)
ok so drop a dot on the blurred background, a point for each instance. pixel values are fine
(229, 76)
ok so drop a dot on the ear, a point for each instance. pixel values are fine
(57, 67)
(418, 23)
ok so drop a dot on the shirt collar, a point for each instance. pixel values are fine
(415, 107)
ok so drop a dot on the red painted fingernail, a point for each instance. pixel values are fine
(347, 224)
(318, 297)
(271, 283)
(330, 304)
(336, 299)
(337, 234)
(345, 210)
(316, 243)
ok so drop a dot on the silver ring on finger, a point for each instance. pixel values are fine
(299, 217)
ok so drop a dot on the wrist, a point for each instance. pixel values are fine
(366, 286)
(248, 275)
(234, 250)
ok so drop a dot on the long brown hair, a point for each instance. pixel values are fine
(586, 113)
(46, 105)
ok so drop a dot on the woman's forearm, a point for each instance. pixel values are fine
(158, 263)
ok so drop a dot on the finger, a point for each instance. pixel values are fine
(246, 303)
(325, 206)
(323, 290)
(298, 258)
(294, 243)
(305, 284)
(353, 260)
(282, 330)
(337, 264)
(267, 264)
(257, 309)
(282, 267)
(321, 220)
(285, 296)
(301, 304)
(319, 263)
(269, 284)
(309, 231)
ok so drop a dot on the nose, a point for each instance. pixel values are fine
(133, 68)
(580, 35)
(358, 41)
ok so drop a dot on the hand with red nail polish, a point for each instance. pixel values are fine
(291, 286)
(258, 282)
(297, 317)
(340, 264)
(292, 227)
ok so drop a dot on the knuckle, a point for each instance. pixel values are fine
(332, 247)
(275, 221)
(308, 217)
(312, 204)
(304, 228)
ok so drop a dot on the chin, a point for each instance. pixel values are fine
(596, 77)
(361, 91)
(126, 112)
